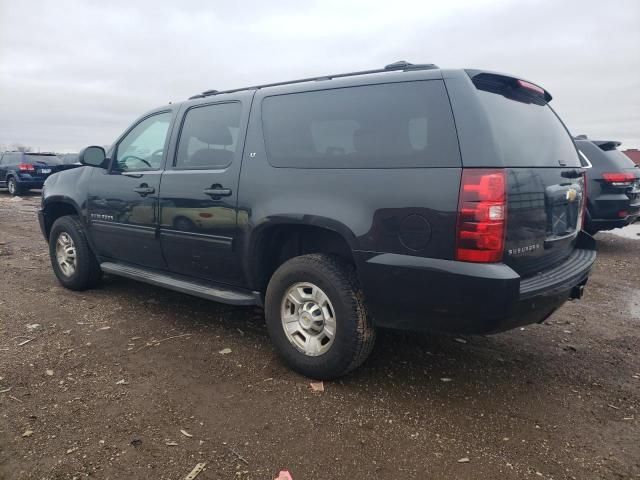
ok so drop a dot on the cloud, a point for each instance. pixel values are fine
(78, 72)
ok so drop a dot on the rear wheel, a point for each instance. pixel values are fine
(73, 262)
(13, 187)
(317, 318)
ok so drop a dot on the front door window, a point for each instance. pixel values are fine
(143, 147)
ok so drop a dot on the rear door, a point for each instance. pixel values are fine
(199, 191)
(516, 129)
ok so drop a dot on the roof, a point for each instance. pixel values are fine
(399, 66)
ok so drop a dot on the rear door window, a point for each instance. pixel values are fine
(209, 136)
(394, 125)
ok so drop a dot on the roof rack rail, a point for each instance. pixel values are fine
(399, 65)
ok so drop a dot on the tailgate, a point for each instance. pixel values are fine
(544, 208)
(545, 182)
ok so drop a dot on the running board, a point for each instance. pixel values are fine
(183, 285)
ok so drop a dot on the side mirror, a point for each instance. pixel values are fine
(93, 157)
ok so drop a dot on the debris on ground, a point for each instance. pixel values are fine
(283, 475)
(464, 460)
(26, 341)
(446, 379)
(122, 382)
(33, 326)
(171, 444)
(27, 433)
(49, 372)
(186, 434)
(196, 470)
(136, 442)
(225, 351)
(460, 340)
(317, 386)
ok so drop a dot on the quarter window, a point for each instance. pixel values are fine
(143, 147)
(209, 136)
(394, 125)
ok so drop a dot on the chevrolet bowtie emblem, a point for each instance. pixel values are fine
(572, 194)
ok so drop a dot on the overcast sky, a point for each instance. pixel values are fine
(74, 73)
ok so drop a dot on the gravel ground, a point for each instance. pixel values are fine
(127, 381)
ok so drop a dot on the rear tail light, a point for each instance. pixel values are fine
(482, 216)
(26, 167)
(619, 179)
(623, 213)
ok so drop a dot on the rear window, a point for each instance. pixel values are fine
(48, 159)
(619, 159)
(528, 134)
(605, 157)
(395, 125)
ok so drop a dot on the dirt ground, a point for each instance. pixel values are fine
(127, 381)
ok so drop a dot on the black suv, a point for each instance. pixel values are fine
(21, 171)
(405, 197)
(613, 185)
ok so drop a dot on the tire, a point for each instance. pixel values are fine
(354, 334)
(86, 273)
(13, 187)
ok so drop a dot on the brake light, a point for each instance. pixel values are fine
(619, 179)
(482, 215)
(26, 167)
(530, 86)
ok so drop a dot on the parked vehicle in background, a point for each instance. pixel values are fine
(613, 188)
(22, 171)
(70, 158)
(405, 197)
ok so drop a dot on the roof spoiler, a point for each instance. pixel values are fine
(504, 84)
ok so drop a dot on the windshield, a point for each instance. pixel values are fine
(528, 134)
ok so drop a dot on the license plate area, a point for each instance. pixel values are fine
(44, 171)
(563, 209)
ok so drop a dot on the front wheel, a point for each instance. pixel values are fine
(316, 316)
(73, 262)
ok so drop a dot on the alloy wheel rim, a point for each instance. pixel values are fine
(66, 254)
(308, 319)
(12, 186)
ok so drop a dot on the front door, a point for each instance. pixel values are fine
(198, 211)
(123, 201)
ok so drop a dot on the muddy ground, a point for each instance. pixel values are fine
(106, 381)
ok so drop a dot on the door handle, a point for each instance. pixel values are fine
(144, 189)
(217, 191)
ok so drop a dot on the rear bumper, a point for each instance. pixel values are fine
(610, 224)
(418, 293)
(604, 212)
(29, 182)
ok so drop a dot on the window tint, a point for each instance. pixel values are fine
(528, 134)
(392, 125)
(209, 136)
(143, 147)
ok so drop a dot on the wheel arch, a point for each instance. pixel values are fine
(56, 207)
(275, 241)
